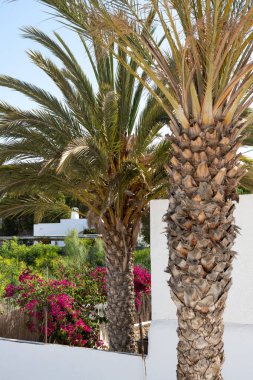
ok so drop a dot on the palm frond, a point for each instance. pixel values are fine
(32, 205)
(247, 180)
(216, 43)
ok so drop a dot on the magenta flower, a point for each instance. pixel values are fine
(10, 290)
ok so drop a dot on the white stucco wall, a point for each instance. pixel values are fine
(27, 361)
(240, 302)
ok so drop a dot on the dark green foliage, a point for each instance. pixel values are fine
(241, 190)
(145, 227)
(96, 255)
(17, 226)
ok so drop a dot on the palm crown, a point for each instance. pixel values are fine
(210, 43)
(94, 147)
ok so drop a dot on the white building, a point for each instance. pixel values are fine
(61, 229)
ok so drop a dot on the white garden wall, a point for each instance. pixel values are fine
(28, 361)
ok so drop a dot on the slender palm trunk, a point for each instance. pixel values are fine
(120, 290)
(201, 233)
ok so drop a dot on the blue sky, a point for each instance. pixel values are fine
(14, 60)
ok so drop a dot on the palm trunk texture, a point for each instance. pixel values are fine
(120, 291)
(205, 171)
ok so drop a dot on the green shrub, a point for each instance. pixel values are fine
(142, 257)
(47, 261)
(12, 250)
(10, 270)
(74, 248)
(88, 251)
(39, 256)
(96, 254)
(91, 252)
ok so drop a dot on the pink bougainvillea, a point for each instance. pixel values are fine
(54, 301)
(10, 290)
(142, 283)
(62, 308)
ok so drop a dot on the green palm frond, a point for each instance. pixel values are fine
(249, 129)
(247, 180)
(32, 204)
(216, 45)
(91, 146)
(36, 94)
(64, 54)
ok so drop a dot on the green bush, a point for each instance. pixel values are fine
(12, 250)
(45, 259)
(87, 251)
(39, 256)
(96, 254)
(10, 270)
(74, 248)
(91, 252)
(142, 257)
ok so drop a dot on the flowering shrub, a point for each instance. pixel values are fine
(67, 318)
(99, 275)
(64, 308)
(142, 283)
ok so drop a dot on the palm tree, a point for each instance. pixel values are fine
(210, 87)
(93, 147)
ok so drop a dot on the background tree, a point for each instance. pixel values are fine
(93, 147)
(17, 226)
(210, 87)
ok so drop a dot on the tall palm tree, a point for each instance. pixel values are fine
(211, 44)
(91, 146)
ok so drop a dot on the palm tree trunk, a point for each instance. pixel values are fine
(120, 290)
(201, 232)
